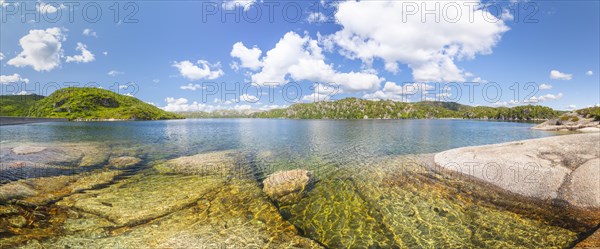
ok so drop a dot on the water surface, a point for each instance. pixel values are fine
(373, 190)
(333, 139)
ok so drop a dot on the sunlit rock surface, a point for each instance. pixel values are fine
(185, 203)
(286, 187)
(32, 199)
(402, 202)
(592, 241)
(220, 163)
(24, 150)
(124, 161)
(39, 191)
(39, 160)
(564, 168)
(138, 200)
(217, 199)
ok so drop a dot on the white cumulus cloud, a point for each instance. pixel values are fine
(202, 70)
(543, 98)
(89, 32)
(5, 79)
(183, 105)
(550, 97)
(85, 56)
(392, 91)
(589, 73)
(249, 98)
(428, 47)
(545, 87)
(1, 56)
(48, 8)
(249, 58)
(114, 73)
(191, 87)
(232, 4)
(300, 58)
(23, 93)
(42, 49)
(557, 75)
(506, 104)
(321, 92)
(317, 17)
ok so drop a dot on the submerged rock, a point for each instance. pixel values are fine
(593, 241)
(17, 221)
(39, 191)
(286, 187)
(401, 202)
(41, 160)
(220, 163)
(143, 198)
(124, 161)
(237, 215)
(24, 150)
(183, 205)
(334, 214)
(16, 191)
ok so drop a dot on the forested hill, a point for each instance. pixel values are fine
(83, 104)
(354, 108)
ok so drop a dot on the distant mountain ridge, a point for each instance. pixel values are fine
(99, 104)
(355, 108)
(83, 104)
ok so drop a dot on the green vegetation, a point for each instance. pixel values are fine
(354, 108)
(17, 105)
(591, 112)
(95, 104)
(528, 112)
(98, 104)
(565, 117)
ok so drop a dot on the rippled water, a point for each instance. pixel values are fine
(290, 138)
(313, 144)
(362, 199)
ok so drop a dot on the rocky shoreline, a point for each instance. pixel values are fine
(564, 168)
(222, 199)
(572, 121)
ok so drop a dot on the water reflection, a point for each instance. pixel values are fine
(292, 138)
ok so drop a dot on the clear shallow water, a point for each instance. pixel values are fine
(363, 199)
(319, 145)
(332, 138)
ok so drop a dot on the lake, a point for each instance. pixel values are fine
(374, 186)
(331, 139)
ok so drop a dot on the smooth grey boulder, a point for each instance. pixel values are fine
(564, 168)
(583, 188)
(287, 187)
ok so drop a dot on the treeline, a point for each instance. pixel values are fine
(591, 112)
(354, 108)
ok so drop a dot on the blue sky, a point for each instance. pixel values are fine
(173, 53)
